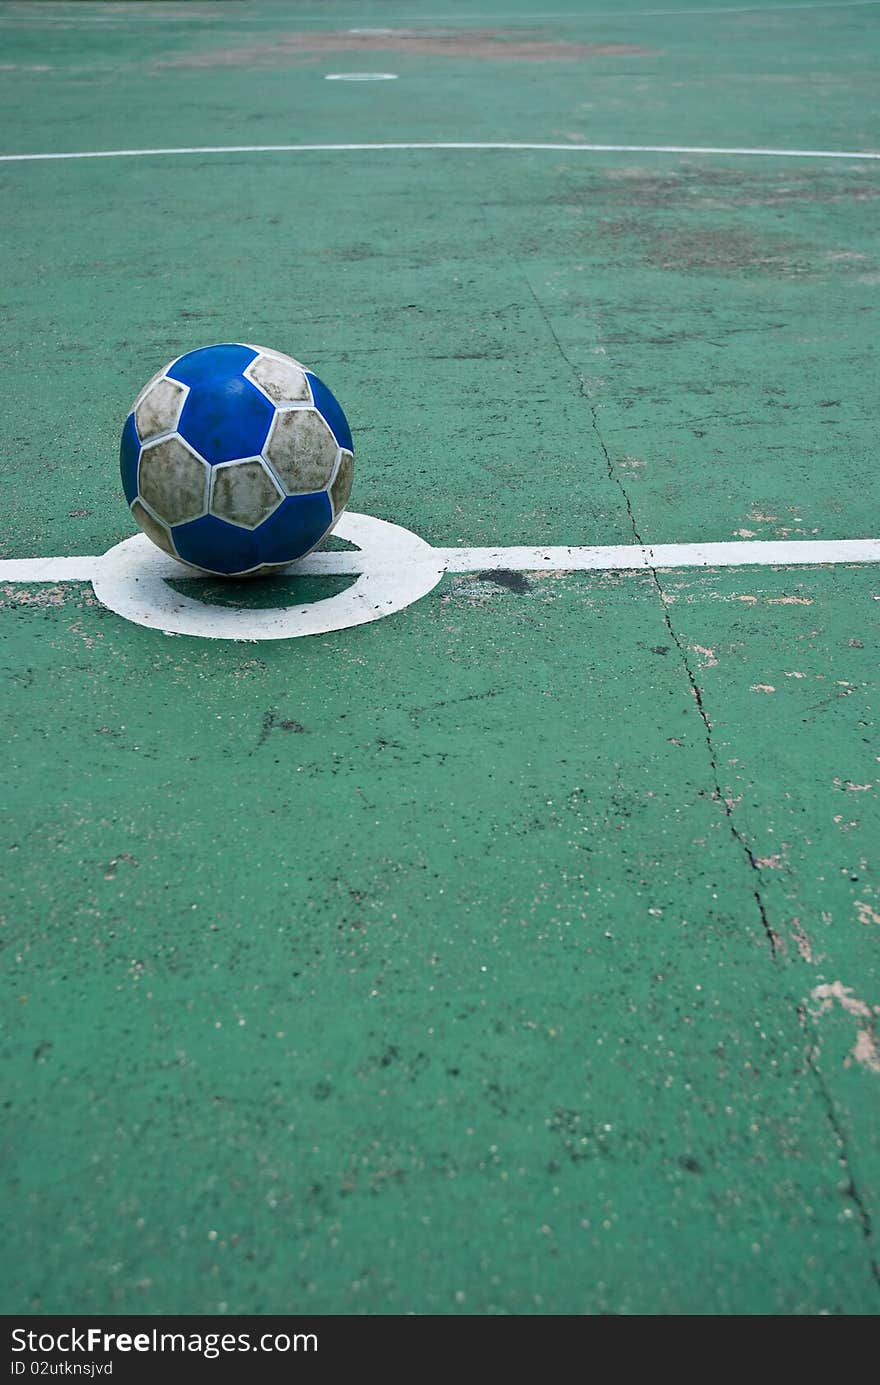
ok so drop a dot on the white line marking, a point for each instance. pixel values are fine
(471, 147)
(48, 569)
(577, 558)
(630, 14)
(725, 9)
(393, 568)
(250, 20)
(619, 15)
(129, 19)
(663, 555)
(360, 77)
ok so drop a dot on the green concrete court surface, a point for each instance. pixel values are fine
(517, 954)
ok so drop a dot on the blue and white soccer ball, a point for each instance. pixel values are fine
(236, 459)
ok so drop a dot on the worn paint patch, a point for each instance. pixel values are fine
(729, 189)
(484, 590)
(865, 1051)
(486, 45)
(43, 597)
(725, 249)
(708, 660)
(830, 991)
(802, 940)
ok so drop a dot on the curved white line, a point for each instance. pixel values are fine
(395, 569)
(468, 147)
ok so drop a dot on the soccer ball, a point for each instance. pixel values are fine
(236, 459)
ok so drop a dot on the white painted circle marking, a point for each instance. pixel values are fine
(395, 568)
(360, 77)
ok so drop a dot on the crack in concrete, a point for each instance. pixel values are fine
(697, 693)
(770, 934)
(851, 1191)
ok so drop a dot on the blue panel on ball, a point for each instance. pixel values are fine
(292, 530)
(213, 544)
(225, 416)
(209, 363)
(226, 420)
(332, 410)
(129, 451)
